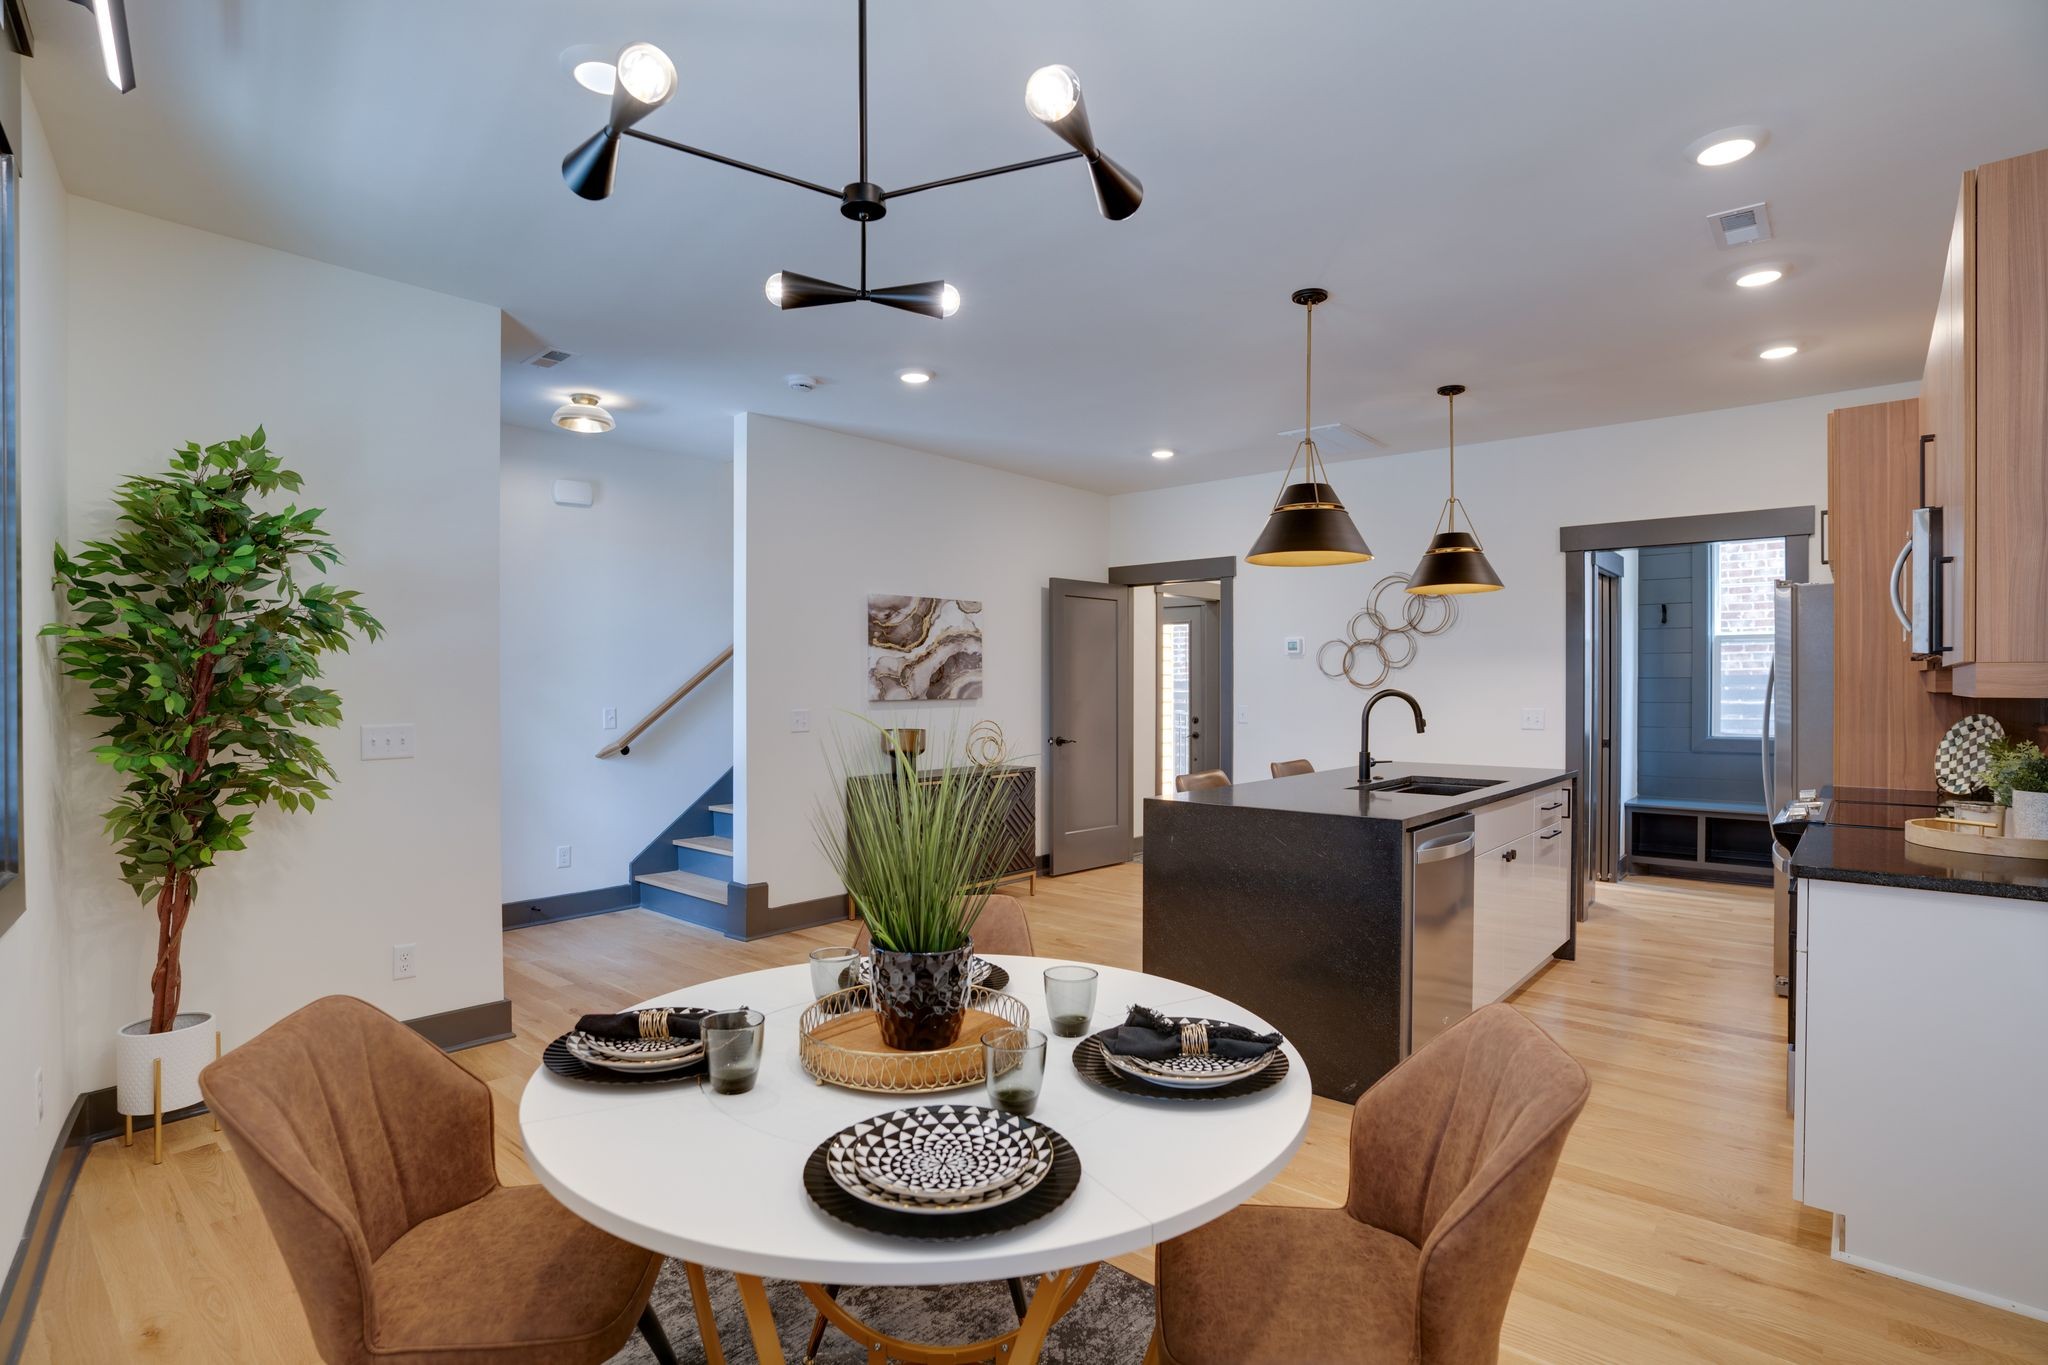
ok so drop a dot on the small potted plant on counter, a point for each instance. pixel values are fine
(913, 847)
(2018, 777)
(201, 646)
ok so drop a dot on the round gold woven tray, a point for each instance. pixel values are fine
(839, 1040)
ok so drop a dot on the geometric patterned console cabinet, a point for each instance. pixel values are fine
(1018, 812)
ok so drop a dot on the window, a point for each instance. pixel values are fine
(1174, 697)
(1741, 575)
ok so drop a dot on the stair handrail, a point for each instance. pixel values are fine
(622, 746)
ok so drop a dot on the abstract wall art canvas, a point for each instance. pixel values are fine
(924, 649)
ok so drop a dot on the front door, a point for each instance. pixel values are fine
(1187, 661)
(1088, 753)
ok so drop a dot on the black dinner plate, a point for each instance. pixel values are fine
(1051, 1192)
(558, 1059)
(1089, 1062)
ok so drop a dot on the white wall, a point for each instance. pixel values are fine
(828, 519)
(611, 605)
(385, 397)
(33, 931)
(1507, 650)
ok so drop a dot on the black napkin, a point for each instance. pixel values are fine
(625, 1027)
(1150, 1035)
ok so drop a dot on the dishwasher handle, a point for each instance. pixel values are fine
(1439, 849)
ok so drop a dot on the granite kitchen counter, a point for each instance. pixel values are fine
(1882, 857)
(1333, 792)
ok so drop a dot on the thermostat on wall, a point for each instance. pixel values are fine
(1294, 647)
(572, 493)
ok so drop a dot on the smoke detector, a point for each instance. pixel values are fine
(1740, 227)
(802, 383)
(547, 360)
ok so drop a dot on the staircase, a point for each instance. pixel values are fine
(686, 873)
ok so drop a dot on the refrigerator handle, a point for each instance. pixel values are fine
(1764, 739)
(1898, 589)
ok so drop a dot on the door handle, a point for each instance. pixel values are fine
(1436, 850)
(1194, 734)
(1898, 589)
(1062, 739)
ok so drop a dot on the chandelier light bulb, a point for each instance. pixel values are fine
(949, 301)
(647, 73)
(773, 289)
(1052, 92)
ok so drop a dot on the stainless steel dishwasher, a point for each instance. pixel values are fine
(1440, 935)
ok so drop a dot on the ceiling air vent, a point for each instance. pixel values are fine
(547, 360)
(1335, 438)
(1740, 227)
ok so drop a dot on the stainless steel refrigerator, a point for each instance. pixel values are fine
(1799, 733)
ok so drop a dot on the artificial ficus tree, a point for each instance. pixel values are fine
(201, 647)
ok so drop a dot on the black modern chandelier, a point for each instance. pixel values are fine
(646, 80)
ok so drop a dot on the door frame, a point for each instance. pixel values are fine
(1222, 571)
(1602, 787)
(1580, 544)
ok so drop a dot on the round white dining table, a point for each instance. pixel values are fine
(717, 1180)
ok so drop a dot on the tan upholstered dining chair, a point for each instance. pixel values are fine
(1451, 1156)
(370, 1152)
(1002, 928)
(1201, 781)
(1292, 767)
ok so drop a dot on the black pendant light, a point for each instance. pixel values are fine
(1308, 525)
(1455, 561)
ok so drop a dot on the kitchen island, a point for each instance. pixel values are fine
(1362, 922)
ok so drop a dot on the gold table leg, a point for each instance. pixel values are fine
(707, 1326)
(1057, 1292)
(761, 1320)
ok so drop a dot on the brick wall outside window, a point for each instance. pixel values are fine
(1740, 632)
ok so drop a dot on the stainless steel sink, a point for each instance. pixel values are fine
(1429, 786)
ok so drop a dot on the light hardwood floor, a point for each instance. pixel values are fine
(1670, 1233)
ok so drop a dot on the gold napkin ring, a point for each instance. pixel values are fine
(653, 1023)
(1194, 1039)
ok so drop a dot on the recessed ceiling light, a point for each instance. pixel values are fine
(1726, 147)
(1162, 454)
(582, 415)
(1781, 351)
(915, 376)
(597, 77)
(1759, 276)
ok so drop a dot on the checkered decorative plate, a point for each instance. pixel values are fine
(1964, 754)
(947, 1156)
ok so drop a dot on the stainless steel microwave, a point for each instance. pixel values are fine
(1916, 584)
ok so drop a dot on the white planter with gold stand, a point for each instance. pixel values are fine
(156, 1072)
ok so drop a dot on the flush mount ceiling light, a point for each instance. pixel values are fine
(1162, 454)
(1726, 147)
(1757, 277)
(1308, 525)
(582, 415)
(646, 80)
(915, 376)
(1784, 350)
(111, 17)
(1455, 561)
(599, 78)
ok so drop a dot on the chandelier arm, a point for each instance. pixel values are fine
(736, 165)
(983, 175)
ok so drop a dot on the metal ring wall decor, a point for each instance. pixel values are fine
(1375, 639)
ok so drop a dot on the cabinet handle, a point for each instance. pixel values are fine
(1823, 535)
(1553, 834)
(1509, 856)
(1555, 805)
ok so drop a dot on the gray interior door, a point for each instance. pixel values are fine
(1088, 752)
(1203, 723)
(1603, 770)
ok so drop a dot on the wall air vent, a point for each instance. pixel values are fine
(547, 360)
(1335, 438)
(1740, 227)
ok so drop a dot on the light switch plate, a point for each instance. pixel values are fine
(388, 741)
(1532, 718)
(1295, 648)
(799, 722)
(611, 718)
(1244, 715)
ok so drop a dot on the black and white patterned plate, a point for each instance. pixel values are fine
(669, 1059)
(942, 1158)
(636, 1049)
(557, 1058)
(1045, 1197)
(1964, 754)
(1190, 1073)
(1093, 1063)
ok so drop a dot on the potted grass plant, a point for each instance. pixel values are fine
(201, 646)
(914, 848)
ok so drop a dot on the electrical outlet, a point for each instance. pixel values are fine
(799, 722)
(1532, 718)
(404, 961)
(1244, 715)
(388, 741)
(611, 717)
(562, 855)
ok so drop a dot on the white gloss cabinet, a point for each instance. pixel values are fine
(1521, 892)
(1920, 1086)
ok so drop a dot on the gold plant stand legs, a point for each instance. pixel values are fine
(156, 1104)
(216, 1057)
(1056, 1292)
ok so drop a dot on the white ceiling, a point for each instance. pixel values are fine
(1495, 193)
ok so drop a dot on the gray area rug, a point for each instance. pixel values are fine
(1111, 1325)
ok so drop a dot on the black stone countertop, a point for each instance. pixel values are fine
(1882, 857)
(1330, 792)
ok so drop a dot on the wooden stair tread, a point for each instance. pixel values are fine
(706, 843)
(688, 884)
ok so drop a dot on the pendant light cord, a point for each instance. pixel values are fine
(1453, 399)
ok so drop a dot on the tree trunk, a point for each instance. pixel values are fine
(173, 903)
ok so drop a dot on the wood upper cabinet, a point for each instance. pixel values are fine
(1984, 404)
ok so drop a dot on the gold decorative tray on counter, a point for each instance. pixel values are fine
(1972, 836)
(839, 1040)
